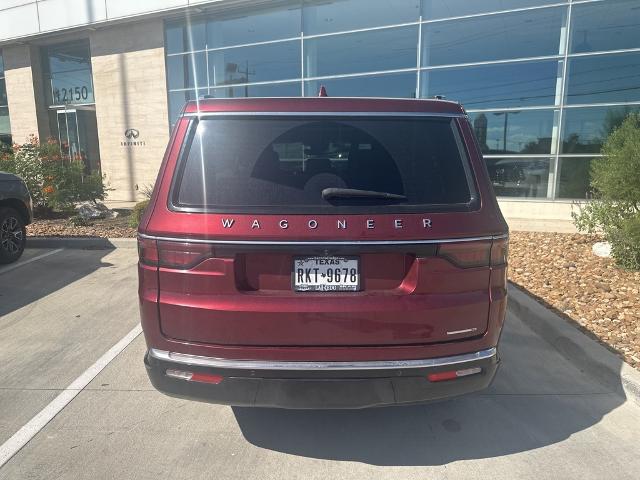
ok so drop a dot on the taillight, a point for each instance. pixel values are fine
(499, 251)
(182, 255)
(482, 253)
(148, 251)
(177, 255)
(467, 254)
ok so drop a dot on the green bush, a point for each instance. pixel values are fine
(55, 181)
(615, 179)
(78, 221)
(137, 212)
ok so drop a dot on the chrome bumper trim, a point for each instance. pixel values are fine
(200, 361)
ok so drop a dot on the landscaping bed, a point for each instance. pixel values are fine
(117, 227)
(562, 272)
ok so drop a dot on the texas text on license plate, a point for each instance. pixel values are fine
(326, 274)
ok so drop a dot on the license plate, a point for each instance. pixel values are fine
(326, 274)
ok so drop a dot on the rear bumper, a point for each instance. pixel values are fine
(319, 384)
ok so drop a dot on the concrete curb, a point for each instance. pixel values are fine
(87, 243)
(575, 345)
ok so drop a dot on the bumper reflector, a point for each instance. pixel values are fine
(194, 376)
(452, 374)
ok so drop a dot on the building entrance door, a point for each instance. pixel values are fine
(78, 135)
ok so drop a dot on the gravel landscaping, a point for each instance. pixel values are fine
(62, 227)
(561, 270)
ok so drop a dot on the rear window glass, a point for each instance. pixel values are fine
(289, 163)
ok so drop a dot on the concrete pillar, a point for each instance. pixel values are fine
(129, 82)
(25, 92)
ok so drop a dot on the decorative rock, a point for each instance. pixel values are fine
(90, 211)
(602, 249)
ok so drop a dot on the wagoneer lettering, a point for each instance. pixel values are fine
(313, 224)
(322, 253)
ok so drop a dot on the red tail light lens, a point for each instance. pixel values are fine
(499, 251)
(467, 254)
(182, 255)
(177, 255)
(148, 251)
(476, 254)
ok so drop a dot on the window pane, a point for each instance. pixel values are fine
(574, 178)
(495, 37)
(339, 16)
(185, 37)
(5, 127)
(177, 101)
(1, 65)
(608, 25)
(69, 68)
(180, 70)
(432, 9)
(291, 161)
(269, 90)
(256, 27)
(519, 177)
(3, 92)
(5, 141)
(259, 63)
(69, 58)
(490, 86)
(361, 52)
(527, 131)
(72, 87)
(585, 129)
(400, 85)
(604, 78)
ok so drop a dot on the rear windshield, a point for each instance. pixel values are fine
(322, 163)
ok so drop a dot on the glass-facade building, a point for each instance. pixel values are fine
(543, 81)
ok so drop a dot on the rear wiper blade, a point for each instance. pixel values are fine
(356, 193)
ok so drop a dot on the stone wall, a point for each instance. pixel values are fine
(25, 92)
(130, 91)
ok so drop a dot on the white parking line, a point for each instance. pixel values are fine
(8, 268)
(19, 439)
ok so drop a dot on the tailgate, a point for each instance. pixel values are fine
(406, 294)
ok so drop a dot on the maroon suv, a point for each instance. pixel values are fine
(322, 253)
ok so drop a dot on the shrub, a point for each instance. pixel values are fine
(147, 190)
(78, 221)
(137, 212)
(615, 179)
(55, 181)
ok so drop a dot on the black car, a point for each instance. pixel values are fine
(15, 215)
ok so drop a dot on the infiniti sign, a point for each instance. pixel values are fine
(132, 134)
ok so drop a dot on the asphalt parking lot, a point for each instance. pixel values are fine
(63, 310)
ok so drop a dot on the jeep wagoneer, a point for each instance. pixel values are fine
(322, 253)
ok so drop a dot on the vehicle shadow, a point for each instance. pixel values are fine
(539, 398)
(23, 284)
